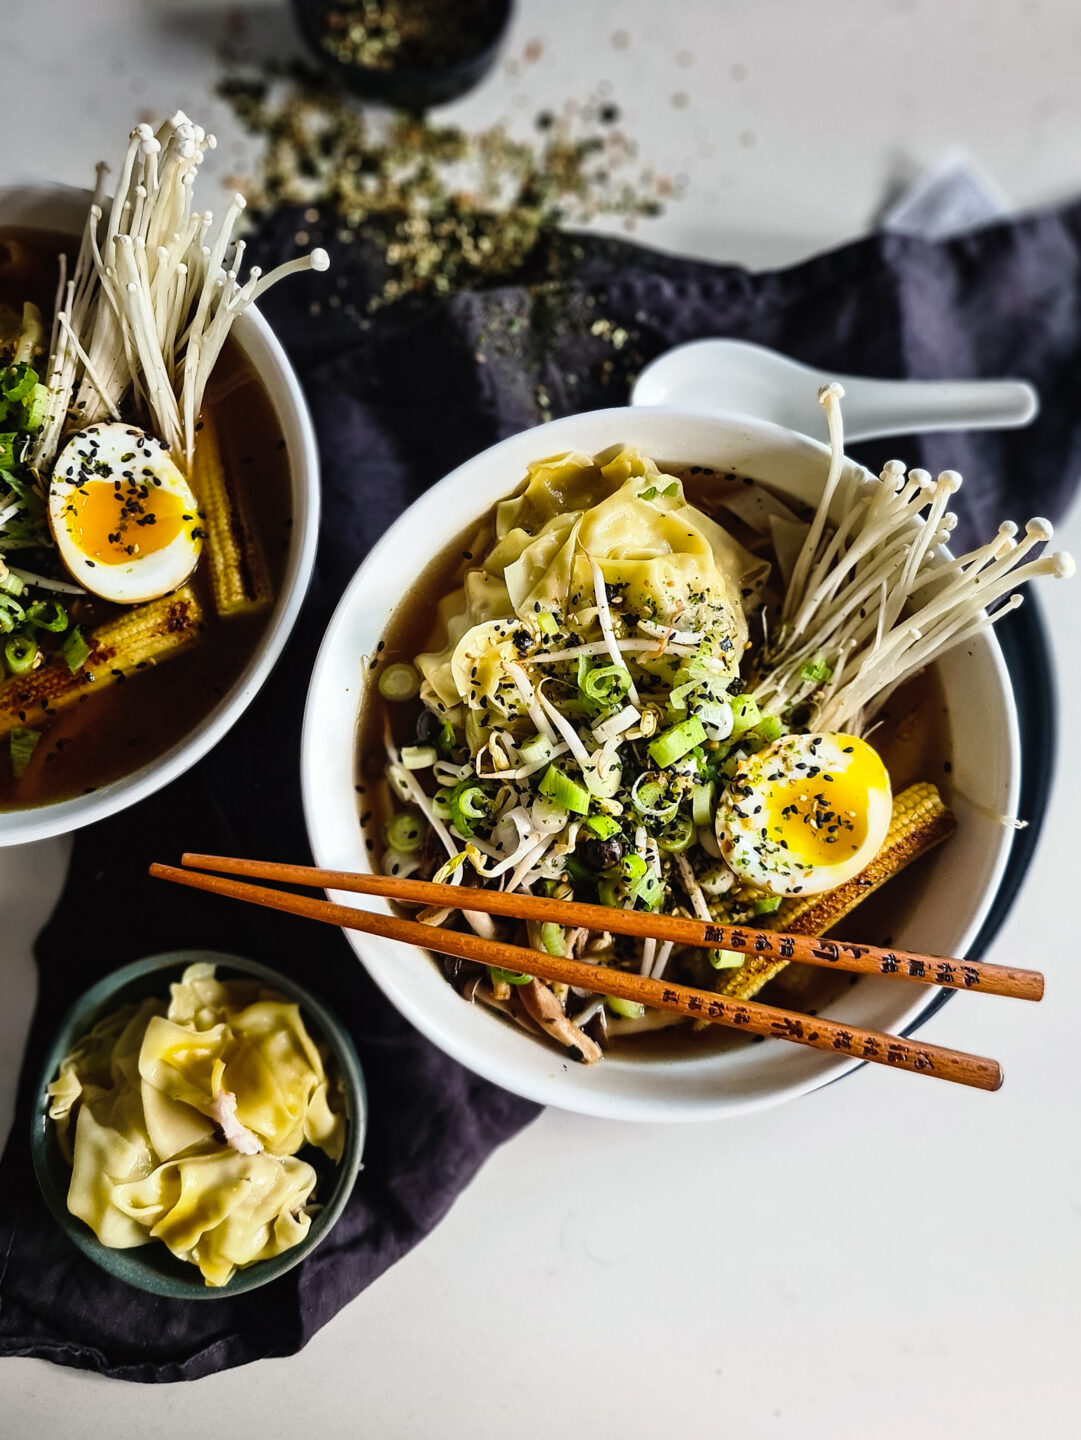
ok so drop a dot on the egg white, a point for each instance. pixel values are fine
(113, 452)
(806, 814)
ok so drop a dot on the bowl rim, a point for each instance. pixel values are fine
(284, 392)
(547, 1090)
(97, 1001)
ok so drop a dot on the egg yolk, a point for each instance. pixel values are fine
(115, 522)
(821, 815)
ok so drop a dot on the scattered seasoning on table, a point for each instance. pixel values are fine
(415, 211)
(448, 209)
(407, 34)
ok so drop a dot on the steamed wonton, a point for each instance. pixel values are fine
(187, 1120)
(668, 563)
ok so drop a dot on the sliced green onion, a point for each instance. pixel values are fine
(714, 714)
(536, 750)
(17, 381)
(11, 614)
(577, 707)
(648, 494)
(710, 688)
(610, 891)
(632, 867)
(22, 744)
(419, 757)
(628, 1009)
(553, 938)
(702, 803)
(769, 728)
(48, 615)
(697, 670)
(547, 623)
(10, 584)
(468, 804)
(399, 682)
(816, 671)
(441, 802)
(36, 406)
(547, 814)
(603, 826)
(745, 714)
(564, 791)
(20, 653)
(75, 650)
(767, 905)
(672, 744)
(606, 684)
(650, 889)
(646, 795)
(725, 959)
(444, 741)
(509, 977)
(679, 835)
(472, 800)
(405, 831)
(672, 489)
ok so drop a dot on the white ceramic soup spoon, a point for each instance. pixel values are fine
(732, 376)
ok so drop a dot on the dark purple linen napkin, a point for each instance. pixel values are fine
(400, 396)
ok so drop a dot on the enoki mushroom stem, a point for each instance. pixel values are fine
(150, 303)
(873, 599)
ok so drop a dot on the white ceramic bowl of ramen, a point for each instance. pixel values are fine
(60, 210)
(940, 903)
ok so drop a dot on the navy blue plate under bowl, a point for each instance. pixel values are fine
(152, 1267)
(1023, 639)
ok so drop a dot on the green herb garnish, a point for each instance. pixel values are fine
(21, 745)
(75, 650)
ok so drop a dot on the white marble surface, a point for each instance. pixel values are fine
(887, 1257)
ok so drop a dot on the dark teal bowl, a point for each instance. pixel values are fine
(152, 1267)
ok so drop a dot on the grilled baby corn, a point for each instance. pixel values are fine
(920, 821)
(141, 636)
(233, 554)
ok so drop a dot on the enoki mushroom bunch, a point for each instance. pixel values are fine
(152, 295)
(872, 601)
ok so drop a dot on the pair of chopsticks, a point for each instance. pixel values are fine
(746, 1015)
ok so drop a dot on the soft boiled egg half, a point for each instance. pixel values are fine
(123, 516)
(805, 814)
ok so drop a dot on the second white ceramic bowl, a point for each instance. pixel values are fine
(945, 904)
(63, 210)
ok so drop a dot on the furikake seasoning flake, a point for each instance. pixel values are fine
(446, 208)
(407, 34)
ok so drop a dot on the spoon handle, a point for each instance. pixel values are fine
(740, 378)
(903, 407)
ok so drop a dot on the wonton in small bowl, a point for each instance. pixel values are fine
(154, 1177)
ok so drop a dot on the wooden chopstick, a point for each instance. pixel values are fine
(806, 949)
(745, 1015)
